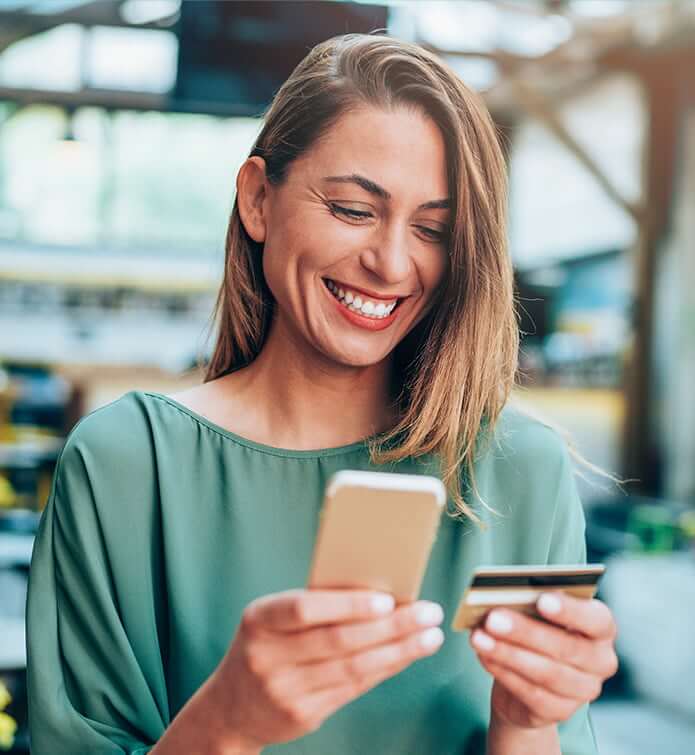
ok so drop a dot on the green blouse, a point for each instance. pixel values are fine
(161, 526)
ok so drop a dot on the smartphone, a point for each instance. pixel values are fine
(519, 587)
(376, 531)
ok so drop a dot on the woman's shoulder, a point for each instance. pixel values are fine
(107, 470)
(118, 423)
(113, 438)
(526, 474)
(524, 445)
(523, 431)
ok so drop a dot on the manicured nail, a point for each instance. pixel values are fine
(429, 613)
(499, 622)
(548, 603)
(482, 640)
(383, 603)
(430, 638)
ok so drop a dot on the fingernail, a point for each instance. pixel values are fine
(383, 603)
(499, 622)
(429, 613)
(430, 638)
(482, 640)
(548, 603)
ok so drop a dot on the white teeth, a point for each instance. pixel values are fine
(355, 302)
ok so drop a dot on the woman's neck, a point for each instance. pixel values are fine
(299, 400)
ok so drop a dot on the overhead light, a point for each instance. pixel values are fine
(45, 6)
(546, 277)
(649, 30)
(139, 60)
(69, 151)
(532, 36)
(480, 74)
(598, 8)
(149, 11)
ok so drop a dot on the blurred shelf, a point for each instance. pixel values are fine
(138, 269)
(609, 401)
(15, 550)
(170, 343)
(13, 654)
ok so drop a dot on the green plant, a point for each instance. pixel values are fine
(8, 725)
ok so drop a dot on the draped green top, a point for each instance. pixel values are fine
(161, 526)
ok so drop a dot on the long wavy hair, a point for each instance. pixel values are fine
(454, 371)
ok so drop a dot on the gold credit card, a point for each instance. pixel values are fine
(519, 587)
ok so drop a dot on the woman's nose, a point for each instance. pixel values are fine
(388, 257)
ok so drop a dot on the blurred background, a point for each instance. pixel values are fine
(122, 126)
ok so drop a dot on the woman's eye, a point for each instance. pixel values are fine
(434, 234)
(349, 212)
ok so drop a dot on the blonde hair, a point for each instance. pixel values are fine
(454, 371)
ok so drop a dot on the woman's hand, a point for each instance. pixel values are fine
(300, 655)
(544, 672)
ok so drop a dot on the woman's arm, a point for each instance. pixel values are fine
(503, 739)
(199, 728)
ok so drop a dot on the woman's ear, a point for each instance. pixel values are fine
(251, 185)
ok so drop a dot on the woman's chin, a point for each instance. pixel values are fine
(355, 356)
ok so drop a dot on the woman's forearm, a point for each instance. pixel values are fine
(503, 739)
(199, 728)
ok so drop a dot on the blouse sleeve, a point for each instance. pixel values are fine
(568, 546)
(90, 689)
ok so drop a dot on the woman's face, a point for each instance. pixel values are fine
(355, 237)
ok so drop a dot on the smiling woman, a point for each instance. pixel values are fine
(388, 179)
(366, 321)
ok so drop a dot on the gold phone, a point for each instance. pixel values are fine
(376, 531)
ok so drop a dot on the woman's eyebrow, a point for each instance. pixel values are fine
(379, 191)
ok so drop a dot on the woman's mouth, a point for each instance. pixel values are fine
(358, 302)
(373, 314)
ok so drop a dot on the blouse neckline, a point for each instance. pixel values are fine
(359, 445)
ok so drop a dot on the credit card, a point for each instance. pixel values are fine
(519, 587)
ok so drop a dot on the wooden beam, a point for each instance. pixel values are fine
(114, 99)
(17, 25)
(88, 97)
(667, 74)
(534, 103)
(666, 104)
